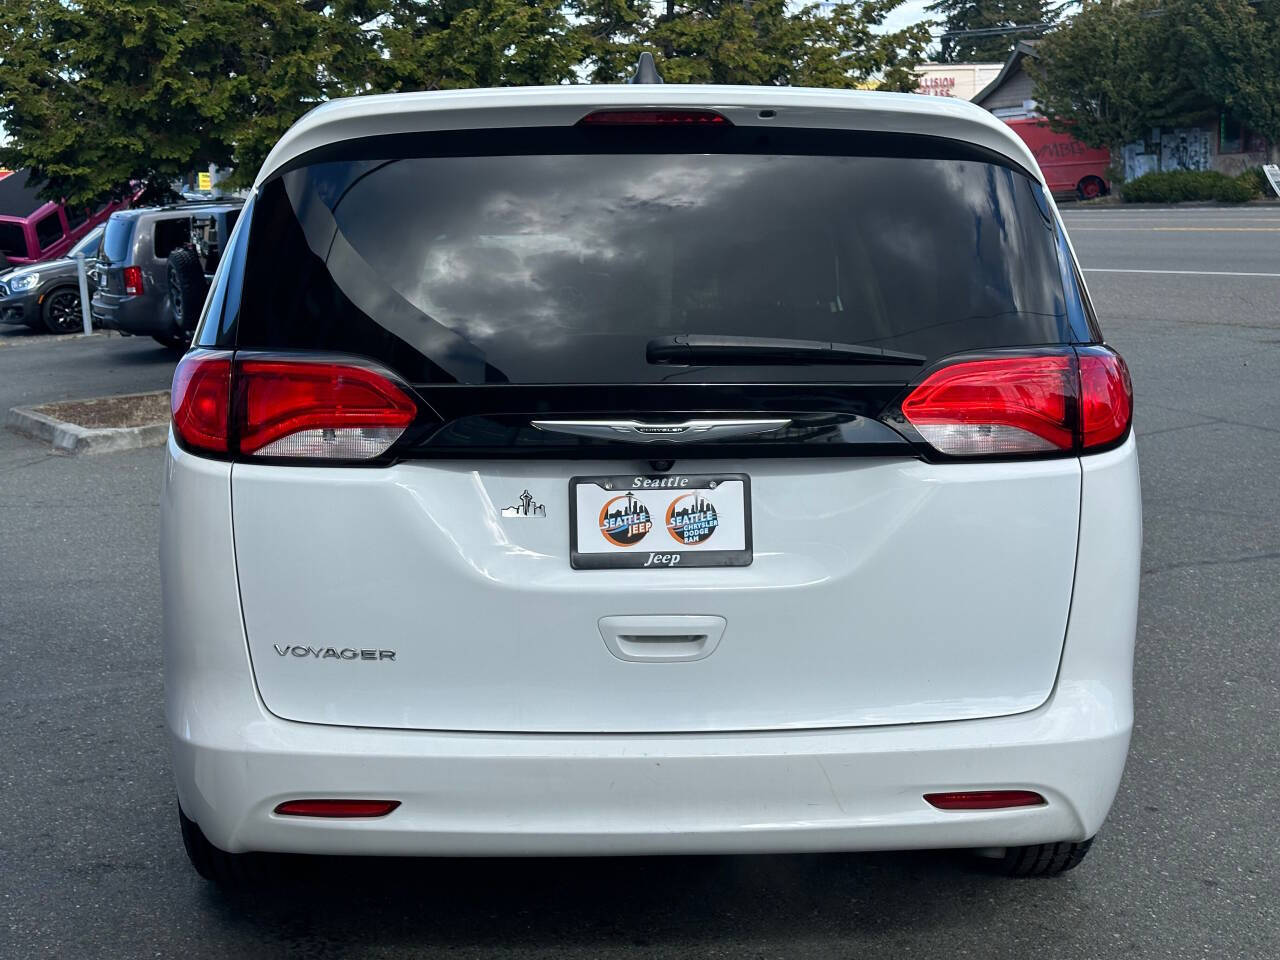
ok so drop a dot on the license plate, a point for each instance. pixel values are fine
(667, 520)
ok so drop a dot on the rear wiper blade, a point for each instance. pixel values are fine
(699, 349)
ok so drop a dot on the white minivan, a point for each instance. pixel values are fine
(649, 470)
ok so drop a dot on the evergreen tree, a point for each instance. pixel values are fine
(996, 16)
(107, 91)
(99, 93)
(775, 42)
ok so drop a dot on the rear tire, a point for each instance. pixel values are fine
(228, 870)
(1091, 187)
(1041, 859)
(186, 293)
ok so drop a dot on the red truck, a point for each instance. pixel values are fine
(1069, 166)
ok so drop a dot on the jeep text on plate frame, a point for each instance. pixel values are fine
(658, 548)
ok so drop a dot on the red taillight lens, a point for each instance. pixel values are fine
(1106, 396)
(985, 799)
(291, 408)
(337, 809)
(655, 118)
(1000, 406)
(199, 401)
(1020, 405)
(133, 280)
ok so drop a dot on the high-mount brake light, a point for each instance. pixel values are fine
(336, 809)
(998, 406)
(985, 799)
(317, 410)
(296, 409)
(199, 401)
(654, 118)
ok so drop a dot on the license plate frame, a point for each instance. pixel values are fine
(659, 546)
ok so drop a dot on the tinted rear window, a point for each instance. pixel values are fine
(560, 266)
(115, 241)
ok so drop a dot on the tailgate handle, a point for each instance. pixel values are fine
(661, 639)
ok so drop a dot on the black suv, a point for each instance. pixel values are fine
(154, 264)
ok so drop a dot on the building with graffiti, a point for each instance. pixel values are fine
(1215, 143)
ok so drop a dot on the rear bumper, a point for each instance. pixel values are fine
(469, 795)
(130, 314)
(531, 794)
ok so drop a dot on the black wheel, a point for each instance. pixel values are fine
(61, 311)
(1041, 859)
(1090, 187)
(186, 290)
(227, 870)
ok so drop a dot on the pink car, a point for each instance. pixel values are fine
(32, 229)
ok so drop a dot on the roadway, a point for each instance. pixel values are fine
(90, 860)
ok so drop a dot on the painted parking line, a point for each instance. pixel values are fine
(1190, 273)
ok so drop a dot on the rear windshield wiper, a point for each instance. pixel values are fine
(699, 349)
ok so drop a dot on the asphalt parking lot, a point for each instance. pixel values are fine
(90, 860)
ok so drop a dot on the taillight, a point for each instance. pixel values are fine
(279, 407)
(291, 408)
(1106, 396)
(1024, 404)
(200, 401)
(655, 118)
(133, 280)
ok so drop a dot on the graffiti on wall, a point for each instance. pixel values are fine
(1185, 149)
(1182, 149)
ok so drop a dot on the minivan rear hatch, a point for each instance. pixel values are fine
(629, 344)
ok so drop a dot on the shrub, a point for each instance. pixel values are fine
(1256, 181)
(1178, 186)
(1234, 191)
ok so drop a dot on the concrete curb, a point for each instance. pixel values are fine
(73, 438)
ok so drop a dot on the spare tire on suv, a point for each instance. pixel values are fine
(187, 289)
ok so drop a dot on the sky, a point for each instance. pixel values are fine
(910, 12)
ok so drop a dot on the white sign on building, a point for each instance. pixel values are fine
(959, 80)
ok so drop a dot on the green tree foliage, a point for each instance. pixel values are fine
(1122, 67)
(1236, 47)
(775, 42)
(988, 15)
(478, 43)
(96, 93)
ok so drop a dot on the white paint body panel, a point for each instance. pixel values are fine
(882, 591)
(524, 794)
(357, 117)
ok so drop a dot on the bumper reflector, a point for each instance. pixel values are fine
(336, 809)
(985, 799)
